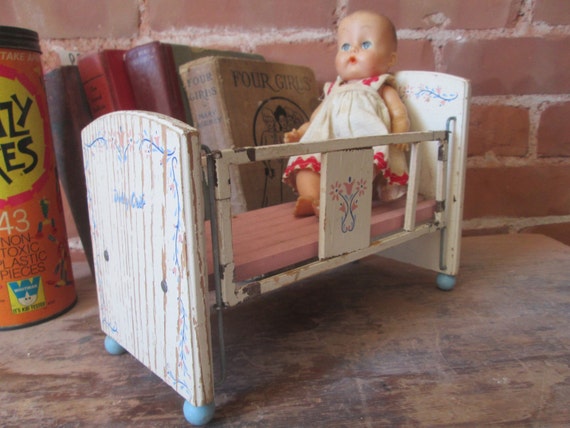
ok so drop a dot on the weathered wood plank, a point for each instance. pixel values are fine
(369, 344)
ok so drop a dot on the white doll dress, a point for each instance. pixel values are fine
(354, 110)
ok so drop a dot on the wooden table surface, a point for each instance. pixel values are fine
(370, 344)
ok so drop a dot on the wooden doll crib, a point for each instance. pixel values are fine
(156, 257)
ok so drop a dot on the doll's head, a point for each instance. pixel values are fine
(367, 46)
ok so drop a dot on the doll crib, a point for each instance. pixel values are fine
(157, 259)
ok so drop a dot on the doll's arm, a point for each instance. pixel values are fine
(398, 113)
(296, 134)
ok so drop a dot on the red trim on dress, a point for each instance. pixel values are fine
(303, 163)
(382, 167)
(370, 80)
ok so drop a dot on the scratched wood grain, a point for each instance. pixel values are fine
(371, 344)
(146, 213)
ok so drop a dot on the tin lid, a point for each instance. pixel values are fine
(19, 38)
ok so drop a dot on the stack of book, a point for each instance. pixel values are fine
(144, 77)
(235, 99)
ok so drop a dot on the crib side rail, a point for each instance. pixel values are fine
(336, 250)
(245, 155)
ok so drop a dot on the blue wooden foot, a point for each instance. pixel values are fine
(445, 282)
(113, 347)
(198, 415)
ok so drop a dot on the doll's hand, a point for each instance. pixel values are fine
(292, 136)
(403, 147)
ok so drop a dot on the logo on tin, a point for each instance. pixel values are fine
(26, 295)
(23, 152)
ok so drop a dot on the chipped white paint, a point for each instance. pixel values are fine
(346, 202)
(431, 98)
(144, 179)
(146, 215)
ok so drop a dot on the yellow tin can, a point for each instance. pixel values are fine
(36, 280)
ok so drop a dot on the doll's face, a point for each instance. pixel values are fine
(366, 46)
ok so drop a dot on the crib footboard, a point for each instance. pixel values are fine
(144, 188)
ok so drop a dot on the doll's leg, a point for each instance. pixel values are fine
(391, 173)
(308, 184)
(386, 192)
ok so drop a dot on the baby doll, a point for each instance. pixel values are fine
(361, 102)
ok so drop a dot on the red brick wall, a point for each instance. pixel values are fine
(514, 51)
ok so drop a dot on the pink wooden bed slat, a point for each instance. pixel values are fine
(270, 239)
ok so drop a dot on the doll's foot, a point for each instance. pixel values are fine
(391, 192)
(305, 206)
(316, 207)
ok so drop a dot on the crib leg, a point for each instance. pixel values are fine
(198, 415)
(445, 282)
(113, 347)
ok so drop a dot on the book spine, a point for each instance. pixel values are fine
(121, 90)
(69, 113)
(97, 90)
(202, 84)
(154, 79)
(172, 83)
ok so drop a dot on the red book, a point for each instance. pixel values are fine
(154, 77)
(106, 82)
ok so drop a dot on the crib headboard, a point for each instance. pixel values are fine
(432, 98)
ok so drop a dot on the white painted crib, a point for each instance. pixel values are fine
(156, 258)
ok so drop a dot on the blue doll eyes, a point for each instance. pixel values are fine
(364, 45)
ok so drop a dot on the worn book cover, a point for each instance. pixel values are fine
(69, 113)
(105, 81)
(154, 78)
(186, 53)
(242, 102)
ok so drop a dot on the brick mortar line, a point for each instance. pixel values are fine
(250, 40)
(525, 26)
(437, 36)
(535, 115)
(341, 9)
(536, 105)
(234, 36)
(144, 19)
